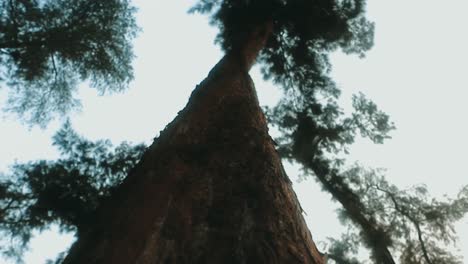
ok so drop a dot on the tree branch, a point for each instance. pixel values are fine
(15, 44)
(376, 239)
(415, 222)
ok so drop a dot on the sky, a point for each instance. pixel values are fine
(416, 72)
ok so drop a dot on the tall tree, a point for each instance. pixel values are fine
(213, 180)
(212, 188)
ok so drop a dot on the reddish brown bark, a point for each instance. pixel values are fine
(211, 188)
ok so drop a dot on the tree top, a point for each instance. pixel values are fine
(304, 32)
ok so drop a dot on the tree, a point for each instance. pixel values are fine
(64, 192)
(294, 55)
(68, 191)
(46, 47)
(214, 175)
(386, 217)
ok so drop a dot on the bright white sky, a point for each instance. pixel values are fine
(416, 72)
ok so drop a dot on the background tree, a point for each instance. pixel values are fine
(47, 47)
(64, 192)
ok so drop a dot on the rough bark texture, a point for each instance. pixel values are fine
(211, 189)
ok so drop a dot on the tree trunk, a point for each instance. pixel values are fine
(210, 189)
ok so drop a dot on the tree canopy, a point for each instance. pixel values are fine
(315, 132)
(65, 192)
(304, 33)
(48, 47)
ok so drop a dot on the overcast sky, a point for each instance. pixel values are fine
(416, 72)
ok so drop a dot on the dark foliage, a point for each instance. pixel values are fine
(342, 250)
(64, 192)
(316, 134)
(420, 229)
(47, 47)
(315, 131)
(304, 33)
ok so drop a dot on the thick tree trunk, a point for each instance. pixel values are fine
(211, 188)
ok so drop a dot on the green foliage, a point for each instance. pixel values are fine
(421, 228)
(64, 192)
(342, 250)
(316, 133)
(47, 47)
(316, 127)
(369, 120)
(304, 33)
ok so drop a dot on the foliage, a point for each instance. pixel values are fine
(304, 33)
(315, 132)
(420, 227)
(46, 47)
(64, 192)
(342, 250)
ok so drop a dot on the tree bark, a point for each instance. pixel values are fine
(210, 189)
